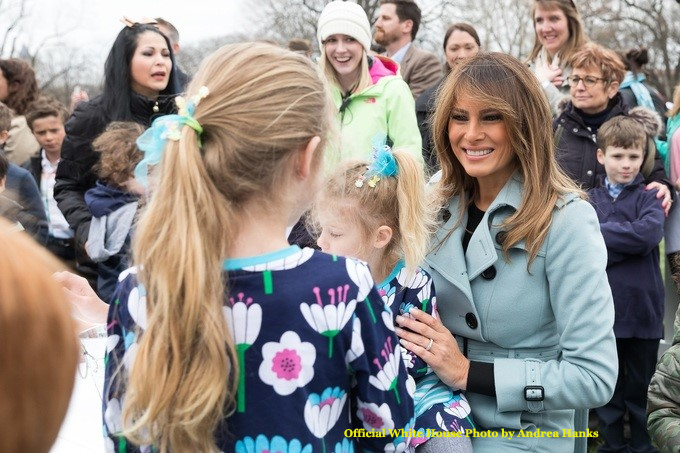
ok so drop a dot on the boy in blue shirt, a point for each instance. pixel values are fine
(631, 221)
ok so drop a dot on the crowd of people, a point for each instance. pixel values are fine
(378, 250)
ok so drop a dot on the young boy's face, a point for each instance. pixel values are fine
(621, 164)
(49, 131)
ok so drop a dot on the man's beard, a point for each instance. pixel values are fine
(383, 38)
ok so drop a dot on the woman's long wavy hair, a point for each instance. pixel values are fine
(22, 87)
(505, 84)
(264, 104)
(577, 36)
(117, 93)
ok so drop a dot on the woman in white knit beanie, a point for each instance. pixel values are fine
(374, 103)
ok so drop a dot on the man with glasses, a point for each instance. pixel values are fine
(593, 84)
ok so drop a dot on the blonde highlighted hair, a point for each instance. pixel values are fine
(264, 105)
(398, 202)
(38, 346)
(503, 83)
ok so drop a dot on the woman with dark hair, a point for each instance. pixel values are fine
(634, 89)
(18, 89)
(460, 41)
(140, 84)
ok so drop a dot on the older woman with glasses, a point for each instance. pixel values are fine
(594, 83)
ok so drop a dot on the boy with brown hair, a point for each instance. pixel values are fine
(46, 118)
(631, 221)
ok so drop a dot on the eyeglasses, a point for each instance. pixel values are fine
(588, 81)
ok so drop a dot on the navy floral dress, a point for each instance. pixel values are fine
(315, 355)
(438, 408)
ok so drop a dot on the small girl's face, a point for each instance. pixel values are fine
(340, 235)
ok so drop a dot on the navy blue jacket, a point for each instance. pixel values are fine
(102, 200)
(22, 189)
(632, 227)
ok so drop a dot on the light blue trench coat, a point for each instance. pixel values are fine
(551, 328)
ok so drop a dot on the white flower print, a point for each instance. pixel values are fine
(288, 364)
(130, 355)
(417, 280)
(129, 271)
(361, 276)
(244, 319)
(386, 379)
(113, 416)
(331, 318)
(424, 298)
(410, 385)
(137, 306)
(388, 318)
(323, 411)
(111, 342)
(375, 417)
(357, 346)
(458, 407)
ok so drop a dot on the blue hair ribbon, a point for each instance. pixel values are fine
(383, 164)
(169, 127)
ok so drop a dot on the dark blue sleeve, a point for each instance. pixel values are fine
(639, 236)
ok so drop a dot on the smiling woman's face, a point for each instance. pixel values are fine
(552, 29)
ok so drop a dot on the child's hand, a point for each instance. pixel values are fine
(86, 307)
(430, 340)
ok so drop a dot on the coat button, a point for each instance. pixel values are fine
(589, 173)
(446, 215)
(575, 130)
(489, 273)
(501, 236)
(471, 320)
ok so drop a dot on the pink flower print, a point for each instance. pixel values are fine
(330, 318)
(386, 379)
(288, 364)
(375, 417)
(459, 407)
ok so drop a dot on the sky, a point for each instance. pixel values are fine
(94, 24)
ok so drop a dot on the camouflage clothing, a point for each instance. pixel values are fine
(663, 405)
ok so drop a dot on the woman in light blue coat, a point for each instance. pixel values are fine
(519, 266)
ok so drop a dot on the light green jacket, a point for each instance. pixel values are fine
(384, 109)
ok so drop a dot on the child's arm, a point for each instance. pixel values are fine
(640, 236)
(121, 337)
(380, 397)
(422, 296)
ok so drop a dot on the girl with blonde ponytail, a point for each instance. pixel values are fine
(224, 337)
(377, 211)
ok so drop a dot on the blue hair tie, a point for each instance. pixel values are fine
(169, 127)
(383, 164)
